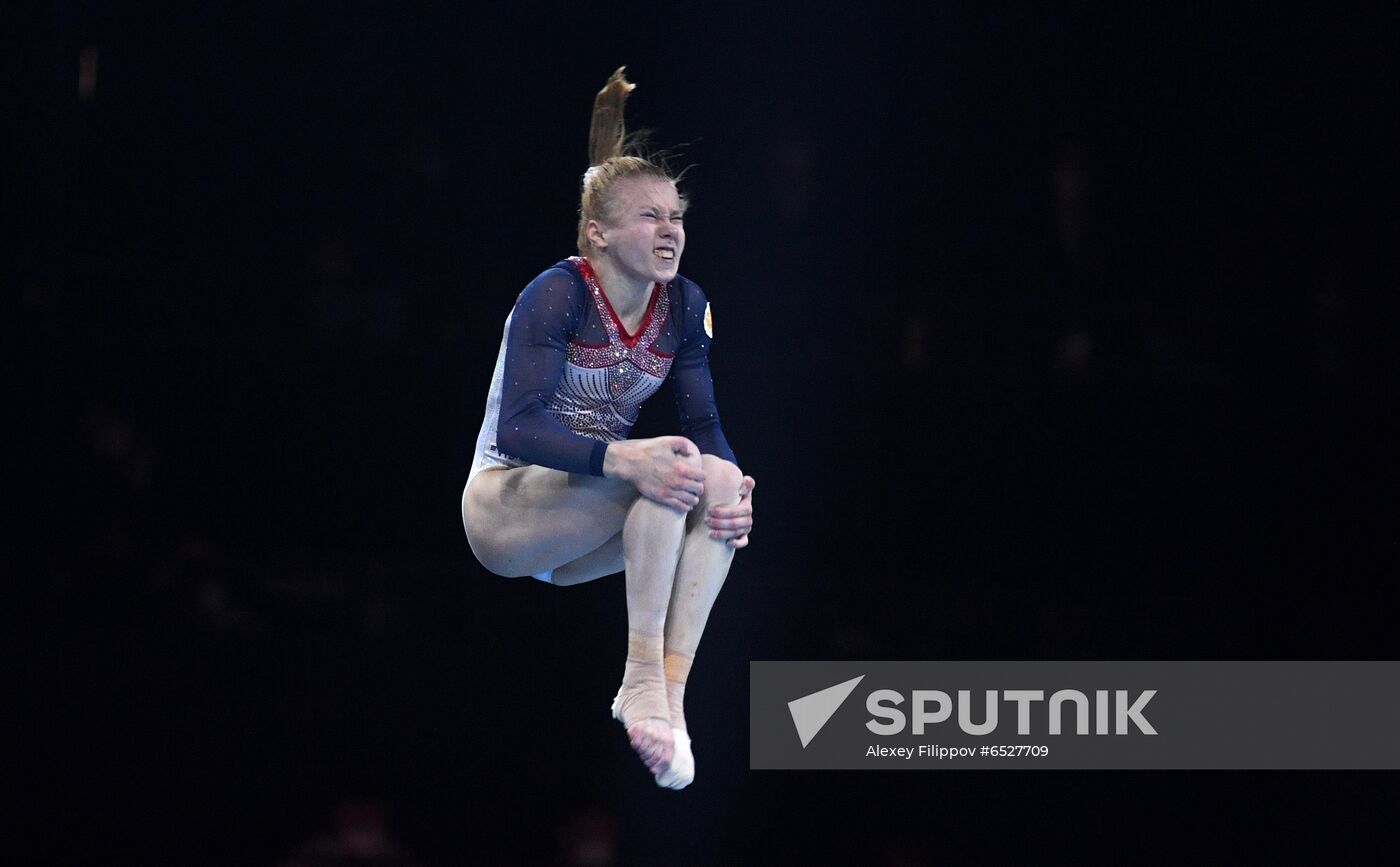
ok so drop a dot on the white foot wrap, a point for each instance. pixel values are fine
(641, 705)
(682, 770)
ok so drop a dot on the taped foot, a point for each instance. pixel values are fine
(676, 667)
(681, 773)
(641, 704)
(651, 737)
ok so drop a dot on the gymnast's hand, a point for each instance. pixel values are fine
(665, 470)
(733, 523)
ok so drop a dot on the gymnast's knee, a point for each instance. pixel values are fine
(722, 481)
(488, 556)
(489, 549)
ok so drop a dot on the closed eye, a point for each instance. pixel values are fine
(653, 215)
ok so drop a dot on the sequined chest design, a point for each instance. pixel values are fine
(604, 385)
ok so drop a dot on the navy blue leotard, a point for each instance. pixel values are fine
(569, 379)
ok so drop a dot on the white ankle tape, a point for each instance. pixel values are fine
(649, 647)
(643, 691)
(677, 665)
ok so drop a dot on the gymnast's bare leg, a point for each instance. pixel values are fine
(523, 521)
(530, 520)
(704, 564)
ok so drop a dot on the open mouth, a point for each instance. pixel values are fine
(665, 253)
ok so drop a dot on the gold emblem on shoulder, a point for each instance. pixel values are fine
(709, 322)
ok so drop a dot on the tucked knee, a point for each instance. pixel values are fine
(490, 557)
(484, 537)
(722, 481)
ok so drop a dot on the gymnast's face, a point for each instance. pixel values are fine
(644, 235)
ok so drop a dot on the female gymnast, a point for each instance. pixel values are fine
(558, 492)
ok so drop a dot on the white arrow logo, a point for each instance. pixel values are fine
(811, 712)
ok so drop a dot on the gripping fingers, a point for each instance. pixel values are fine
(732, 524)
(683, 496)
(730, 518)
(729, 529)
(733, 538)
(688, 493)
(729, 526)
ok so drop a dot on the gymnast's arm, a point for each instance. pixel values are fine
(699, 415)
(546, 316)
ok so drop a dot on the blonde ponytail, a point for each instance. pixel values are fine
(607, 133)
(609, 157)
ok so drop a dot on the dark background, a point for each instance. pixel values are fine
(1056, 331)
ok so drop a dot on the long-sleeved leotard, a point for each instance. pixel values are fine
(569, 379)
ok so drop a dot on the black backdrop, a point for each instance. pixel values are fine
(1048, 333)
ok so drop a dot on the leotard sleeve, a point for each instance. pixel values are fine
(546, 316)
(690, 377)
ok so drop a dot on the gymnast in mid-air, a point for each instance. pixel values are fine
(558, 492)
